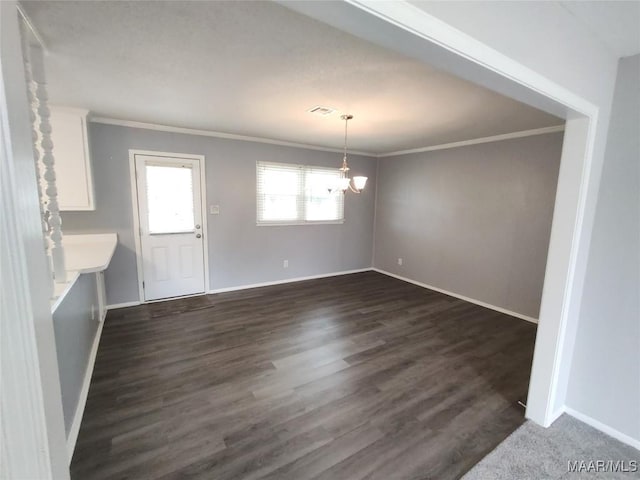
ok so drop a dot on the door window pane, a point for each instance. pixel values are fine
(170, 199)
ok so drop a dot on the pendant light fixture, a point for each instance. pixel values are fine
(345, 182)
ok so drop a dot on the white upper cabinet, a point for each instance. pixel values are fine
(71, 156)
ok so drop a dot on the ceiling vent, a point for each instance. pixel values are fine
(322, 111)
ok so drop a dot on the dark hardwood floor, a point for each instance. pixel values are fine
(358, 376)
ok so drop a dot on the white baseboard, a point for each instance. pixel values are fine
(84, 392)
(244, 287)
(461, 297)
(288, 280)
(612, 432)
(347, 272)
(115, 306)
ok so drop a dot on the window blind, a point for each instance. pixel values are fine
(297, 194)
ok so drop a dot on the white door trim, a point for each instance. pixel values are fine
(136, 216)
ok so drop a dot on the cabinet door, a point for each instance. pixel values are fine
(71, 156)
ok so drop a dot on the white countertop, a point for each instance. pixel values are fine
(84, 254)
(89, 253)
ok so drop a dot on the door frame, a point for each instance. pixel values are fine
(136, 216)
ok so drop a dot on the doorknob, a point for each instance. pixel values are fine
(198, 235)
(198, 227)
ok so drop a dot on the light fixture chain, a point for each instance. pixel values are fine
(346, 123)
(345, 179)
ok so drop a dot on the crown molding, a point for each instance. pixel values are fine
(212, 133)
(477, 141)
(269, 141)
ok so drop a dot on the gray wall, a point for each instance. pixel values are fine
(75, 323)
(471, 220)
(605, 371)
(240, 253)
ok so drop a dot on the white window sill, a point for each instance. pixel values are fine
(290, 224)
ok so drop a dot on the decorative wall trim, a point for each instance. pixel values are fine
(612, 432)
(211, 133)
(288, 280)
(44, 159)
(84, 392)
(245, 138)
(477, 141)
(461, 297)
(116, 306)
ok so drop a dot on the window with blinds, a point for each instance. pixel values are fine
(289, 194)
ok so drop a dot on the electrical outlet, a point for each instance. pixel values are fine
(399, 261)
(285, 264)
(214, 209)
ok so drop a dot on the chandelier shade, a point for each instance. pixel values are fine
(359, 182)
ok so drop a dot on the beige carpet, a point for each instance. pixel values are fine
(536, 453)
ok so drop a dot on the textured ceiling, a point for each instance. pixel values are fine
(615, 23)
(254, 68)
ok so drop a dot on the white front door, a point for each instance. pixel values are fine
(171, 233)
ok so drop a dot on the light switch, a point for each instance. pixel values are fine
(214, 209)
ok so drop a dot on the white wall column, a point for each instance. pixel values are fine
(33, 438)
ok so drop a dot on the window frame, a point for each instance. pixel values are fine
(304, 169)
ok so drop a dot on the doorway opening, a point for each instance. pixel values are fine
(408, 30)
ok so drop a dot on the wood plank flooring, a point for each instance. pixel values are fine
(354, 377)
